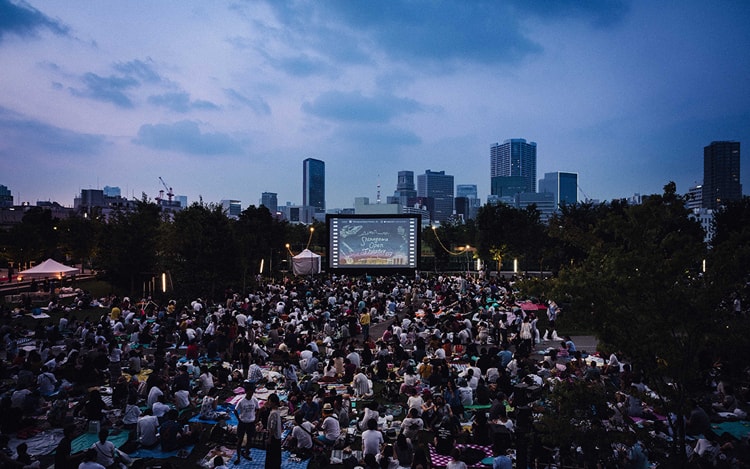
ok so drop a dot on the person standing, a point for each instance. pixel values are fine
(551, 332)
(364, 321)
(246, 410)
(273, 440)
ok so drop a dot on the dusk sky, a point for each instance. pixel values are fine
(224, 100)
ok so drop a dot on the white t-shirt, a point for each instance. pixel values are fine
(331, 428)
(304, 438)
(182, 399)
(247, 408)
(153, 396)
(371, 441)
(148, 426)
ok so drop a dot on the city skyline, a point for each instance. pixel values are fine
(224, 100)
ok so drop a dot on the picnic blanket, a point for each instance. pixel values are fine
(157, 453)
(439, 460)
(39, 444)
(227, 454)
(229, 409)
(87, 440)
(738, 428)
(288, 461)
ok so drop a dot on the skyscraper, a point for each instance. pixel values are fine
(438, 186)
(404, 189)
(314, 184)
(563, 187)
(721, 174)
(271, 201)
(469, 192)
(6, 198)
(514, 157)
(232, 207)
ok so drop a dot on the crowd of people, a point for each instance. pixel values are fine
(455, 358)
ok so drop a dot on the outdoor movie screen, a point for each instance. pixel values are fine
(373, 241)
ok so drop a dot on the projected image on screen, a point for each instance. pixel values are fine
(373, 241)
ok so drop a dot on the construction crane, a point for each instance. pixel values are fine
(170, 194)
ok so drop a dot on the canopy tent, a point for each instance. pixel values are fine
(306, 263)
(48, 268)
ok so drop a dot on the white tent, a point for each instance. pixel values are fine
(48, 268)
(306, 263)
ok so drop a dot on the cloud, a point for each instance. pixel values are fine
(186, 137)
(180, 102)
(32, 134)
(108, 89)
(427, 31)
(139, 69)
(25, 20)
(355, 107)
(486, 32)
(301, 66)
(380, 137)
(257, 104)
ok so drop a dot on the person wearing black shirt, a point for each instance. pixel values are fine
(63, 457)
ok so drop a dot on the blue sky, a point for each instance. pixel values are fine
(225, 99)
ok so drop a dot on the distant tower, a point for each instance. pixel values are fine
(468, 192)
(721, 174)
(514, 157)
(405, 189)
(563, 187)
(271, 201)
(314, 184)
(438, 186)
(6, 197)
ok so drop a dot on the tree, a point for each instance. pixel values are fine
(128, 245)
(203, 254)
(641, 288)
(35, 238)
(505, 232)
(78, 237)
(259, 236)
(571, 233)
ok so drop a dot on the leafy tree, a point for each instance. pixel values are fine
(571, 233)
(35, 238)
(203, 250)
(259, 236)
(78, 236)
(729, 261)
(504, 232)
(642, 290)
(128, 245)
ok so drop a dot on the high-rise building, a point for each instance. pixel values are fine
(404, 188)
(514, 157)
(6, 198)
(562, 186)
(470, 208)
(694, 197)
(721, 174)
(232, 207)
(270, 200)
(314, 184)
(438, 186)
(507, 186)
(543, 202)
